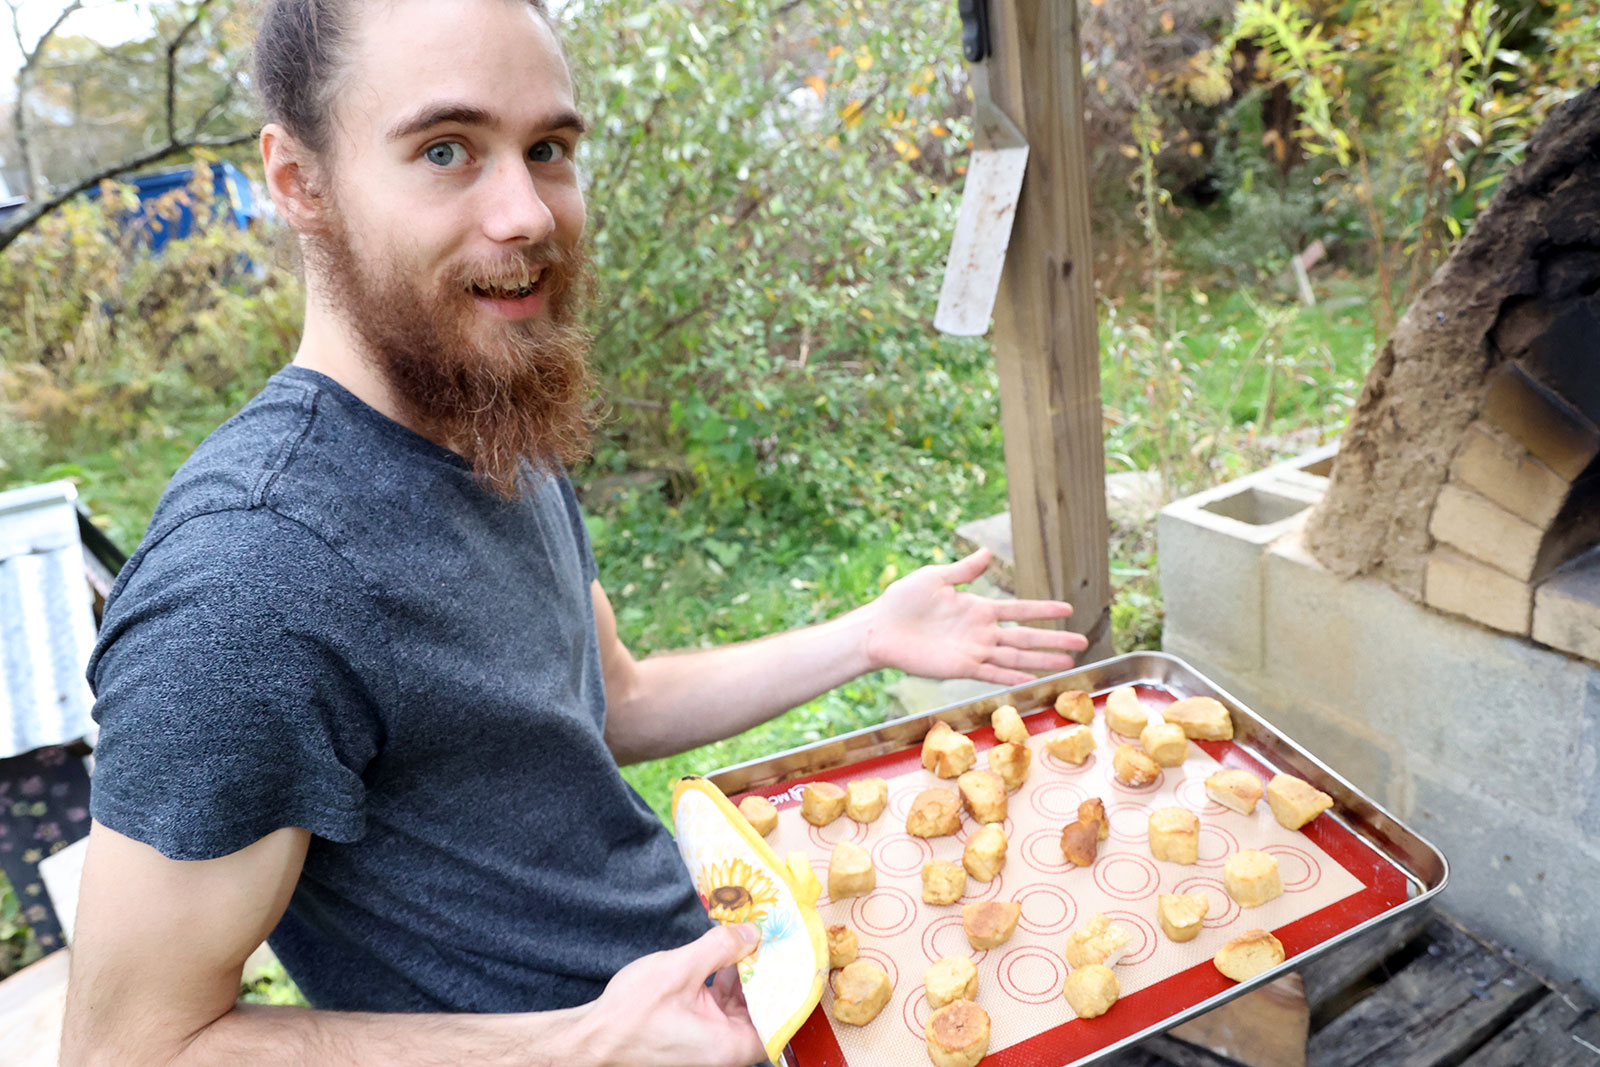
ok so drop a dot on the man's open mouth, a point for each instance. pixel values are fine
(517, 289)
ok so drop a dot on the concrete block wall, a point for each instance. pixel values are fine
(1486, 743)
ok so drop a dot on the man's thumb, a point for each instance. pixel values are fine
(967, 568)
(722, 947)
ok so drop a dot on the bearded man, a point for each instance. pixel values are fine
(359, 687)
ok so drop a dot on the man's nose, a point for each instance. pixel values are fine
(514, 211)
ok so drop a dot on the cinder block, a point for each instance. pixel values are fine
(1548, 426)
(1588, 765)
(1514, 877)
(1566, 608)
(1487, 532)
(1504, 471)
(1483, 594)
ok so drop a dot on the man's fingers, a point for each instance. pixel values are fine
(989, 672)
(1019, 659)
(719, 948)
(967, 568)
(1027, 610)
(1038, 637)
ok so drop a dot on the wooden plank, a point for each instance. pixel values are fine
(1264, 1028)
(1436, 1010)
(1046, 343)
(1180, 1053)
(1560, 1031)
(1338, 980)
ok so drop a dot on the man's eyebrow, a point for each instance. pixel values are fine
(470, 115)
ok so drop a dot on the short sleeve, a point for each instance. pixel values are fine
(580, 530)
(238, 678)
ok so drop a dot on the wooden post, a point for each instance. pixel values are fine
(1046, 342)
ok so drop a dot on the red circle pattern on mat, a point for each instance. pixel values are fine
(1143, 945)
(1130, 822)
(969, 827)
(1191, 793)
(1041, 850)
(901, 854)
(984, 890)
(1061, 766)
(900, 802)
(1215, 891)
(1046, 909)
(916, 1011)
(888, 911)
(1058, 800)
(1126, 876)
(1216, 845)
(884, 960)
(1032, 975)
(1313, 869)
(1117, 783)
(838, 831)
(946, 937)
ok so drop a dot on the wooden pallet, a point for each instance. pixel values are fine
(1422, 992)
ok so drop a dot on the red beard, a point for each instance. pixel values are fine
(510, 396)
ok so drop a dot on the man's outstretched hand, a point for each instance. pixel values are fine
(923, 625)
(658, 1011)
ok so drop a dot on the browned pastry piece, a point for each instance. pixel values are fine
(1072, 745)
(1235, 789)
(821, 803)
(934, 813)
(957, 1034)
(865, 799)
(1095, 808)
(1008, 726)
(990, 923)
(1076, 705)
(1125, 712)
(952, 978)
(760, 813)
(1080, 842)
(1134, 767)
(1180, 914)
(1251, 877)
(1251, 953)
(1165, 742)
(1294, 801)
(943, 882)
(1098, 940)
(984, 794)
(985, 853)
(1175, 835)
(946, 753)
(1202, 718)
(859, 992)
(850, 871)
(1011, 763)
(1092, 990)
(843, 946)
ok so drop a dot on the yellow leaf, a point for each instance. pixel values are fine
(1197, 149)
(912, 153)
(851, 113)
(832, 141)
(833, 53)
(937, 130)
(818, 86)
(864, 58)
(866, 313)
(1129, 151)
(1166, 22)
(1101, 85)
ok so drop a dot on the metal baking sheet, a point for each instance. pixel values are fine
(1401, 868)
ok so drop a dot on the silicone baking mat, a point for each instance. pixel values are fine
(1332, 882)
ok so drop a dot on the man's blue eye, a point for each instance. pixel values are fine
(547, 152)
(445, 154)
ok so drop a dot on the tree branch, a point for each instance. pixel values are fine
(19, 118)
(172, 64)
(30, 217)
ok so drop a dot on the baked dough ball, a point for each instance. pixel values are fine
(843, 946)
(1076, 705)
(985, 853)
(1251, 953)
(1202, 718)
(1098, 941)
(984, 794)
(865, 798)
(1125, 713)
(1180, 913)
(934, 813)
(947, 753)
(1094, 810)
(1073, 745)
(760, 813)
(1080, 842)
(1092, 990)
(1011, 763)
(952, 978)
(1165, 742)
(958, 1034)
(1295, 802)
(1252, 878)
(990, 923)
(859, 992)
(1239, 790)
(850, 872)
(1008, 726)
(1133, 766)
(943, 882)
(821, 803)
(1175, 835)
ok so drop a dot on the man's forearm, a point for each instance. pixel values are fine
(682, 700)
(261, 1034)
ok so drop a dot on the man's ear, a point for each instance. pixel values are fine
(292, 178)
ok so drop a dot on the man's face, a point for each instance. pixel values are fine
(451, 240)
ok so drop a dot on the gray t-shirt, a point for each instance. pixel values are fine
(330, 624)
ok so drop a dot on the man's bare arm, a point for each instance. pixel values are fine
(922, 624)
(160, 945)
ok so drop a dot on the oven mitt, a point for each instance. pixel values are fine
(740, 879)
